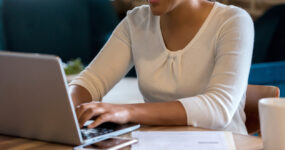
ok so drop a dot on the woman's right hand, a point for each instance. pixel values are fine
(103, 112)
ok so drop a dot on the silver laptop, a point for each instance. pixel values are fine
(34, 102)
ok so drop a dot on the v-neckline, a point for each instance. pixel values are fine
(196, 36)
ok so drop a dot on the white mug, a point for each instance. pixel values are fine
(272, 123)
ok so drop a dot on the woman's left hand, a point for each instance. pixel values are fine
(103, 112)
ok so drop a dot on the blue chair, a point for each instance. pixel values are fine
(269, 73)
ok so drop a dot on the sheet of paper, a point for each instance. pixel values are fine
(183, 140)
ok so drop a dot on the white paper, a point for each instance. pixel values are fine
(183, 140)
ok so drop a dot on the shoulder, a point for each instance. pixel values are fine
(231, 13)
(139, 15)
(139, 11)
(232, 18)
(139, 19)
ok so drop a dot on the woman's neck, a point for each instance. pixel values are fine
(187, 13)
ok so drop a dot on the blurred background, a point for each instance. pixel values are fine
(79, 28)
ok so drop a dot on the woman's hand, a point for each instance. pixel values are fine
(103, 112)
(163, 113)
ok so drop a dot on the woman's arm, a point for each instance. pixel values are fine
(109, 66)
(164, 113)
(79, 95)
(221, 99)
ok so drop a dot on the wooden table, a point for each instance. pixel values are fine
(242, 142)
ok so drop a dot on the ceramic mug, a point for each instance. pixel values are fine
(272, 123)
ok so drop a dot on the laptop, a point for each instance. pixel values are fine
(35, 104)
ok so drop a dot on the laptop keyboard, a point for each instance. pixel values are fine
(102, 129)
(105, 128)
(90, 133)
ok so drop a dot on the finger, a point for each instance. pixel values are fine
(77, 110)
(101, 119)
(82, 108)
(88, 114)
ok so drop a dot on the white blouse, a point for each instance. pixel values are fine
(209, 76)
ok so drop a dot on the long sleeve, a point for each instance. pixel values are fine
(216, 106)
(109, 66)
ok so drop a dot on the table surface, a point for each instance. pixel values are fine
(242, 142)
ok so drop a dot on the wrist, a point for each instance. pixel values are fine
(131, 113)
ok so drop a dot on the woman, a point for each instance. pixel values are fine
(192, 59)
